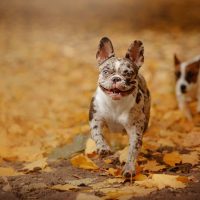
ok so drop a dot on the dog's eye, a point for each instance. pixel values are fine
(105, 72)
(191, 77)
(127, 73)
(178, 74)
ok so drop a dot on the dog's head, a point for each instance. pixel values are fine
(186, 74)
(118, 76)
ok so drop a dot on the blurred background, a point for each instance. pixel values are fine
(47, 63)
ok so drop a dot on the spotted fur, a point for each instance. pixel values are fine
(187, 76)
(122, 99)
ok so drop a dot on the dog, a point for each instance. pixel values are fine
(122, 100)
(187, 75)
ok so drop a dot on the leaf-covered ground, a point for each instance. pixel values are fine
(47, 78)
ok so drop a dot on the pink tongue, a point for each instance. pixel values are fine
(116, 96)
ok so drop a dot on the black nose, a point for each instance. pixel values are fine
(116, 79)
(183, 88)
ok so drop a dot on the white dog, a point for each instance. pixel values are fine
(187, 83)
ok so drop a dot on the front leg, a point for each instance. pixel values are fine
(135, 133)
(183, 106)
(96, 127)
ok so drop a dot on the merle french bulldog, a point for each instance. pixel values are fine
(122, 99)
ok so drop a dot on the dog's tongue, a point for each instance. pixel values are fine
(116, 96)
(115, 93)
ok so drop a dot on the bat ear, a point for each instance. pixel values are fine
(105, 50)
(176, 60)
(136, 53)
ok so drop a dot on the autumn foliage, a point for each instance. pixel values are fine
(47, 78)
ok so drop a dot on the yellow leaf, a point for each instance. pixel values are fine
(114, 172)
(172, 158)
(192, 158)
(90, 147)
(192, 139)
(108, 161)
(164, 180)
(107, 183)
(140, 177)
(125, 192)
(8, 171)
(38, 164)
(153, 166)
(183, 179)
(82, 161)
(123, 155)
(161, 181)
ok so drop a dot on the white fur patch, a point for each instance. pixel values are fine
(114, 112)
(117, 65)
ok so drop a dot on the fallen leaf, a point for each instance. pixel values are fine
(115, 172)
(82, 161)
(163, 180)
(123, 155)
(110, 182)
(8, 171)
(192, 139)
(47, 169)
(183, 179)
(108, 161)
(192, 158)
(125, 192)
(171, 117)
(172, 158)
(36, 165)
(153, 166)
(140, 177)
(165, 142)
(90, 147)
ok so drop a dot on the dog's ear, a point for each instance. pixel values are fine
(136, 53)
(105, 50)
(176, 60)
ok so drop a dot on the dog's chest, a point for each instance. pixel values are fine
(115, 113)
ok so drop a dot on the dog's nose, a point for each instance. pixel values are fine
(183, 88)
(116, 79)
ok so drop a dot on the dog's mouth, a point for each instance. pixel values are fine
(116, 93)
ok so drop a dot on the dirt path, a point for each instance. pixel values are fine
(37, 185)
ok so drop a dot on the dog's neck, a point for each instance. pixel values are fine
(125, 102)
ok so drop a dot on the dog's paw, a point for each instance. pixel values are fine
(104, 151)
(114, 158)
(129, 170)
